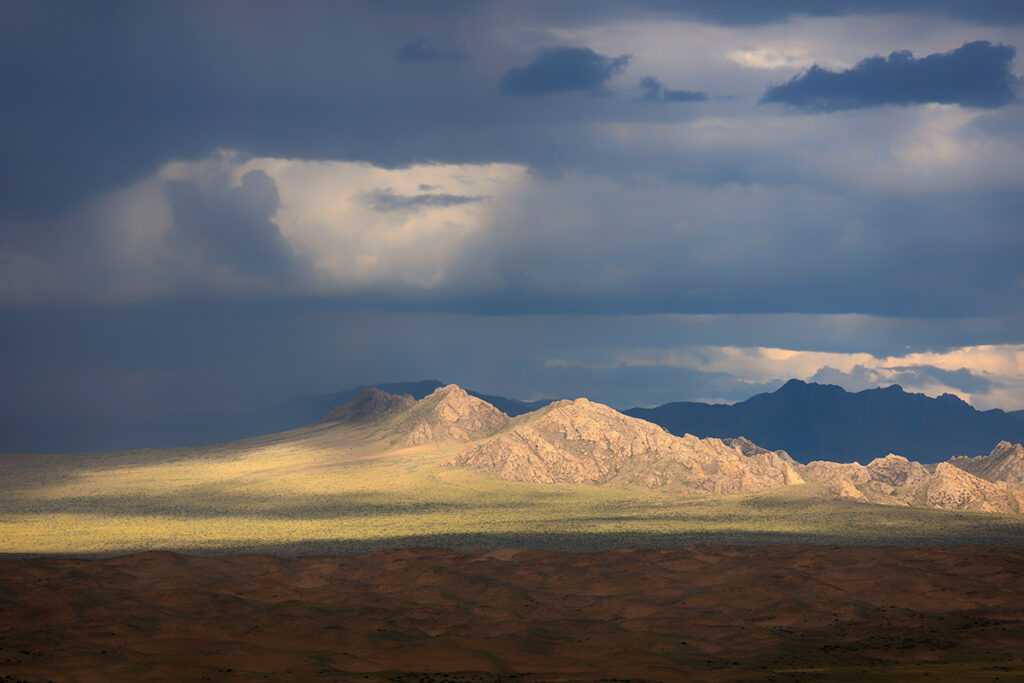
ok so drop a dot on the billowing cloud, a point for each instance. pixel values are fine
(421, 51)
(196, 228)
(974, 75)
(229, 230)
(497, 239)
(655, 92)
(562, 69)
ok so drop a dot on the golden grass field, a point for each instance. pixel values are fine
(332, 488)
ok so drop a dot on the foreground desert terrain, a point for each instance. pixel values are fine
(698, 613)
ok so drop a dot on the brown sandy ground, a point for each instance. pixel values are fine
(696, 613)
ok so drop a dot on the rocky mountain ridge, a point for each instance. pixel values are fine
(580, 441)
(585, 442)
(446, 414)
(894, 480)
(1004, 463)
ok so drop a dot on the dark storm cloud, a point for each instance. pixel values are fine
(562, 69)
(94, 96)
(975, 75)
(421, 51)
(386, 200)
(781, 251)
(232, 227)
(655, 92)
(105, 93)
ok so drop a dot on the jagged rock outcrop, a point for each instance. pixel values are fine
(370, 404)
(749, 448)
(897, 472)
(894, 480)
(953, 488)
(1004, 463)
(888, 481)
(450, 414)
(584, 442)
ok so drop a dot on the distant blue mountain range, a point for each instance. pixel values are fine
(826, 422)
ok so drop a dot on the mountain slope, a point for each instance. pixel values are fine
(370, 403)
(447, 414)
(1004, 463)
(825, 422)
(584, 442)
(954, 489)
(450, 414)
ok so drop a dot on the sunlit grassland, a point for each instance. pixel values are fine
(331, 489)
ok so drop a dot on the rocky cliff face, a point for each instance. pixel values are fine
(584, 442)
(1004, 463)
(369, 404)
(450, 414)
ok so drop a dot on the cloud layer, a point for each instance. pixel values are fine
(655, 92)
(976, 74)
(496, 239)
(421, 51)
(562, 69)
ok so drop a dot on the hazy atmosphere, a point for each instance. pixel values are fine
(212, 207)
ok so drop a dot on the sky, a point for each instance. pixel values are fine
(216, 206)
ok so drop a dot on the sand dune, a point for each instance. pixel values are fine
(710, 613)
